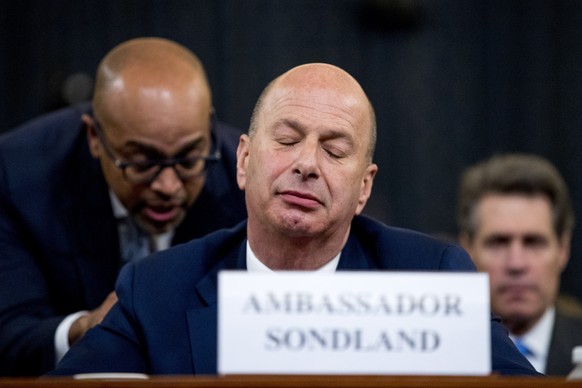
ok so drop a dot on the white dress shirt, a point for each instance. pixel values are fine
(537, 340)
(255, 265)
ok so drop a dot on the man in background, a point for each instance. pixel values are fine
(515, 219)
(89, 188)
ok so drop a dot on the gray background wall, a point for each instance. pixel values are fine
(453, 81)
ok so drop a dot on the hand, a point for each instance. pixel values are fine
(84, 323)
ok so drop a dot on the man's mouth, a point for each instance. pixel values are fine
(516, 290)
(305, 200)
(161, 213)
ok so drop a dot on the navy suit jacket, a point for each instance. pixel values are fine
(59, 248)
(166, 319)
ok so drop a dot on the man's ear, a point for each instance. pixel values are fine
(92, 136)
(565, 244)
(366, 186)
(242, 160)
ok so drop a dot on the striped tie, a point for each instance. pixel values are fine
(134, 242)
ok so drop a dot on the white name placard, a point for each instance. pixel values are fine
(401, 323)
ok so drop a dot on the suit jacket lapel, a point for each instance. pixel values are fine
(203, 321)
(354, 257)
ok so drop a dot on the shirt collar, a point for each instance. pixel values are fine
(119, 211)
(255, 265)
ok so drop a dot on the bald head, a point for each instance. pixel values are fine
(153, 65)
(321, 79)
(151, 101)
(306, 166)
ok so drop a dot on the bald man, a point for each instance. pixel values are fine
(307, 171)
(87, 189)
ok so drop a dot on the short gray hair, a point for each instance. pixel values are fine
(522, 174)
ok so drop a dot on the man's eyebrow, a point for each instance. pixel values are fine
(327, 134)
(335, 134)
(293, 124)
(498, 238)
(534, 237)
(135, 146)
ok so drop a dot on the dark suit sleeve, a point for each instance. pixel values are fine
(454, 258)
(507, 360)
(27, 320)
(112, 346)
(58, 242)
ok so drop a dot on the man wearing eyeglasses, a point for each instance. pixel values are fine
(87, 189)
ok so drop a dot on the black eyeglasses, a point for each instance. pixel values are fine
(146, 171)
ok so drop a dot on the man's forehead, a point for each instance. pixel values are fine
(513, 213)
(326, 118)
(318, 98)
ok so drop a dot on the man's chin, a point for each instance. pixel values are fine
(158, 227)
(519, 313)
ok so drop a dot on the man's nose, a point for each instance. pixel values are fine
(307, 160)
(167, 182)
(516, 255)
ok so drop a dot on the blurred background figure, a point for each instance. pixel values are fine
(89, 188)
(515, 219)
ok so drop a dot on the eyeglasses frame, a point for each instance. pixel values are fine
(163, 163)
